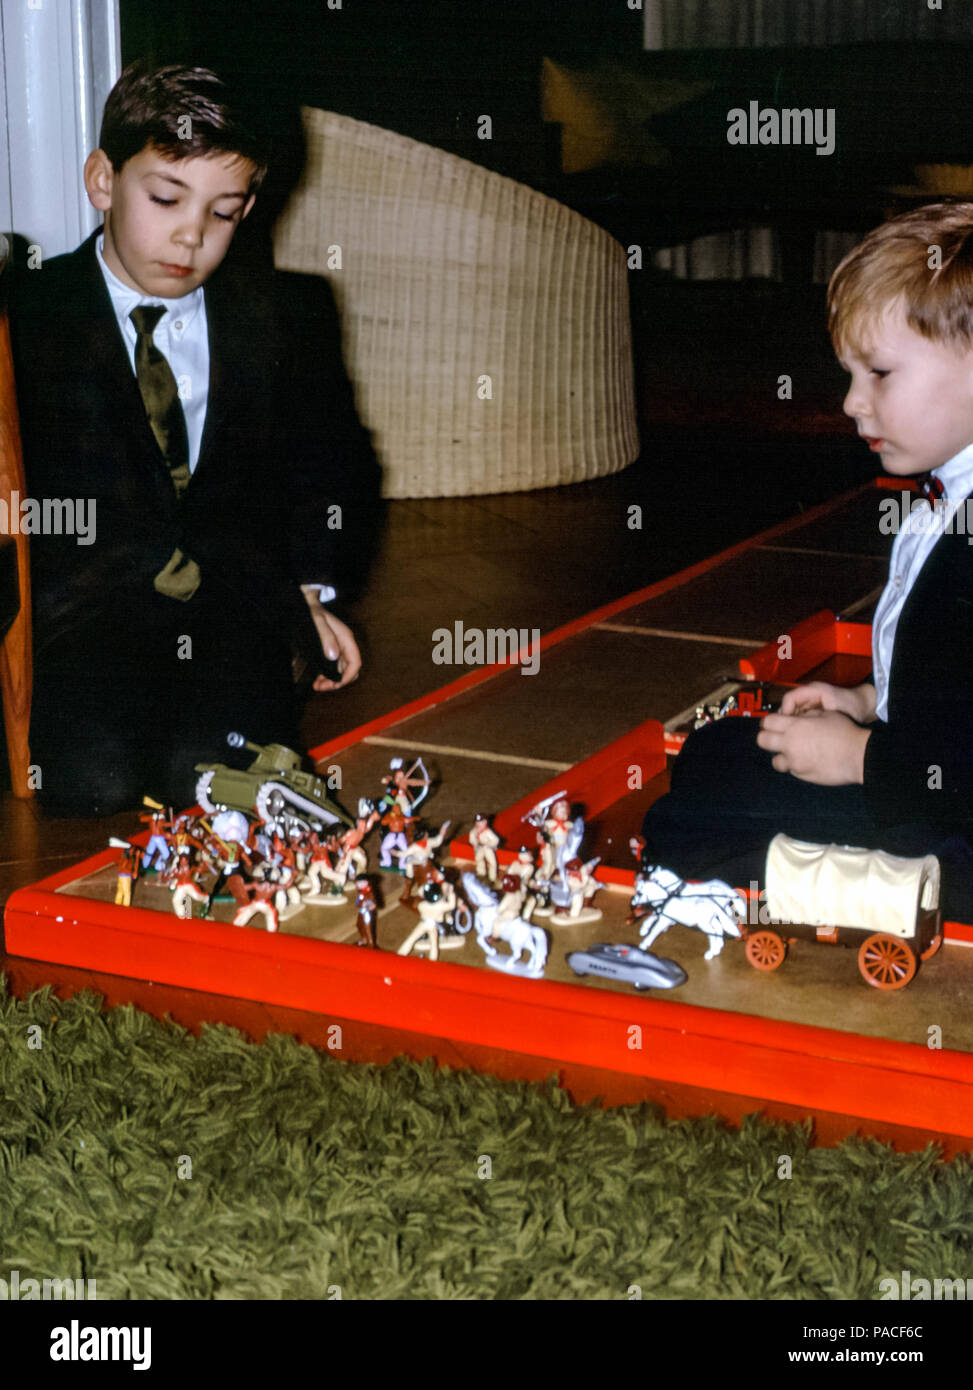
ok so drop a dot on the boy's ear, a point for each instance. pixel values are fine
(248, 205)
(98, 180)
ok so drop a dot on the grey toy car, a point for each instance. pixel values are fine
(629, 964)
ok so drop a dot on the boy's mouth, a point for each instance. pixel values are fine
(181, 271)
(873, 443)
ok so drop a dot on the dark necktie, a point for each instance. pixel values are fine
(931, 488)
(180, 578)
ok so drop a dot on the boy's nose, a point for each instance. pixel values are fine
(855, 403)
(190, 234)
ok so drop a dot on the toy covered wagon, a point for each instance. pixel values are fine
(886, 905)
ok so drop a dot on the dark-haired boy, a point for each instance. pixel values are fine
(203, 412)
(889, 764)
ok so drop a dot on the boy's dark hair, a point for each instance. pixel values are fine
(181, 111)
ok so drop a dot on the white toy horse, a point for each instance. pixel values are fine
(519, 935)
(713, 907)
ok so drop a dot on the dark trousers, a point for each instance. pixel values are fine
(726, 803)
(125, 708)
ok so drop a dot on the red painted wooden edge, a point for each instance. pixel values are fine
(812, 641)
(738, 1053)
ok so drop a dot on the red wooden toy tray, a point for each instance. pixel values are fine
(739, 1051)
(812, 1067)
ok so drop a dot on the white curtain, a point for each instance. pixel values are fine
(765, 23)
(59, 61)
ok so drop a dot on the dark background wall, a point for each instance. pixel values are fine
(425, 68)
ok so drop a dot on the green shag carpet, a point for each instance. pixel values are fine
(316, 1178)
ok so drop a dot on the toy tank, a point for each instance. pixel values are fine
(274, 787)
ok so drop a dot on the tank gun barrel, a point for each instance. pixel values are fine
(238, 741)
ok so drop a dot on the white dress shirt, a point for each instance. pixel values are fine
(180, 335)
(910, 550)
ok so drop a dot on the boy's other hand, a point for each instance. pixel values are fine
(857, 702)
(822, 746)
(337, 643)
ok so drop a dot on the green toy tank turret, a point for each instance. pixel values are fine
(273, 788)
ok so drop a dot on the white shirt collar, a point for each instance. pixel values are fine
(956, 474)
(125, 298)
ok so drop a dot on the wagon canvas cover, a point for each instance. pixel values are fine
(836, 885)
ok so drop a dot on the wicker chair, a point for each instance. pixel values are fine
(486, 326)
(15, 628)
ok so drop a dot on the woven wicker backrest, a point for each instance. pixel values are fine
(486, 326)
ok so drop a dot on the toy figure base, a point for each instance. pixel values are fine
(326, 900)
(565, 919)
(509, 966)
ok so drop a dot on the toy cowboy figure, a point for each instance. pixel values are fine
(367, 911)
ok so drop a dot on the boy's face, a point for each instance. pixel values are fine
(168, 223)
(911, 398)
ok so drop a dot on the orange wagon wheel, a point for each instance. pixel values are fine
(765, 950)
(932, 948)
(886, 962)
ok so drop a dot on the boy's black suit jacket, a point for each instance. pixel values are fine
(919, 764)
(282, 444)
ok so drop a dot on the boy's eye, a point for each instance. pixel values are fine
(879, 372)
(171, 202)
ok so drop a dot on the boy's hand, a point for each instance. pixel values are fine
(337, 643)
(858, 703)
(821, 746)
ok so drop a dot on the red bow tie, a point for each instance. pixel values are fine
(931, 488)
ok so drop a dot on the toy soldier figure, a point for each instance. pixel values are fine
(485, 841)
(367, 911)
(511, 904)
(437, 902)
(581, 885)
(415, 859)
(523, 868)
(552, 836)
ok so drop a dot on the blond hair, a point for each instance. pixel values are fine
(922, 259)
